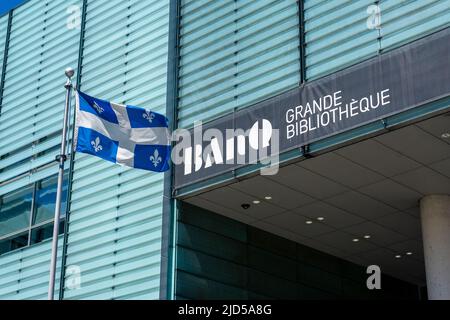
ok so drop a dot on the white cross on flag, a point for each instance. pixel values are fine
(123, 134)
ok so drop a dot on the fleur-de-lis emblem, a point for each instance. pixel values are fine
(96, 144)
(148, 115)
(97, 107)
(155, 158)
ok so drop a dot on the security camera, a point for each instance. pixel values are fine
(245, 206)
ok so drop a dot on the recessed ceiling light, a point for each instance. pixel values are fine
(398, 256)
(320, 218)
(256, 201)
(367, 236)
(268, 197)
(355, 240)
(445, 135)
(409, 253)
(308, 221)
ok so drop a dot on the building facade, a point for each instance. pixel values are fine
(131, 234)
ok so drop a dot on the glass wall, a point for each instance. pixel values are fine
(234, 53)
(116, 212)
(341, 33)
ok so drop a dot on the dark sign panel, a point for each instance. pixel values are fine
(385, 85)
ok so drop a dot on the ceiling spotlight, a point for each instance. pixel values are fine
(398, 256)
(445, 135)
(308, 221)
(409, 253)
(355, 240)
(320, 218)
(256, 201)
(367, 236)
(268, 197)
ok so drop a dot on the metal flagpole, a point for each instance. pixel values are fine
(61, 158)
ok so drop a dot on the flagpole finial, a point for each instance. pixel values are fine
(69, 72)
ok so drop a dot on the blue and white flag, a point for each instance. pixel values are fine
(123, 134)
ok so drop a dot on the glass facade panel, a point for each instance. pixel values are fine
(15, 209)
(44, 232)
(45, 199)
(14, 242)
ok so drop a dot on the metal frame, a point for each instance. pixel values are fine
(302, 42)
(169, 212)
(5, 58)
(36, 185)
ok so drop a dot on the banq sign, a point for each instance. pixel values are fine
(404, 78)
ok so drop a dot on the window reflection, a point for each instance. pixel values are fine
(46, 197)
(15, 209)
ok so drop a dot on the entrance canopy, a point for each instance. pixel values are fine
(359, 202)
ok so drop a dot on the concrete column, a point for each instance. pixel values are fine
(435, 216)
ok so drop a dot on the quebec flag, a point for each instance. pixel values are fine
(123, 134)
